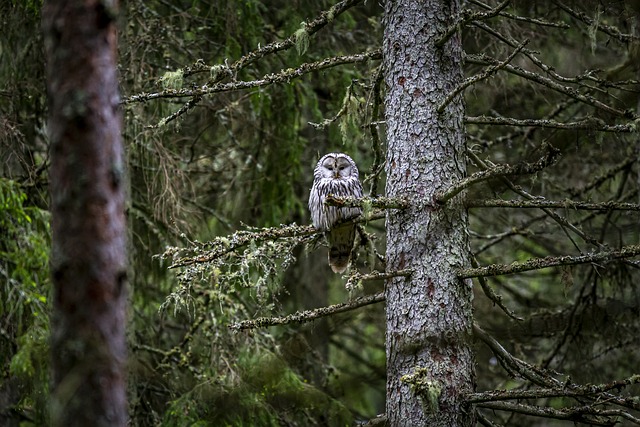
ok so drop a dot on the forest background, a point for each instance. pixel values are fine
(228, 105)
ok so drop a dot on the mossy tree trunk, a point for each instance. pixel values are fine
(88, 257)
(430, 365)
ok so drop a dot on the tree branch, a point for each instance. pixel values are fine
(502, 170)
(488, 72)
(468, 17)
(380, 202)
(588, 123)
(316, 313)
(309, 315)
(546, 262)
(537, 393)
(559, 204)
(284, 76)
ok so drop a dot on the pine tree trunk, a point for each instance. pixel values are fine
(88, 256)
(430, 365)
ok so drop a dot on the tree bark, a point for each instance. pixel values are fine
(88, 256)
(430, 365)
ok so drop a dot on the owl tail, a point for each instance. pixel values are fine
(340, 245)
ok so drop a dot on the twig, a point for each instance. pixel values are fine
(488, 291)
(488, 72)
(601, 26)
(468, 17)
(535, 21)
(559, 204)
(546, 262)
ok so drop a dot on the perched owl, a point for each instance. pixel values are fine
(336, 174)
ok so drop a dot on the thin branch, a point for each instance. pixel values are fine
(499, 171)
(489, 292)
(468, 17)
(535, 21)
(600, 26)
(545, 81)
(546, 262)
(586, 414)
(589, 123)
(559, 204)
(488, 72)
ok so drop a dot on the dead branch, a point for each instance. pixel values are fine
(558, 204)
(546, 262)
(588, 123)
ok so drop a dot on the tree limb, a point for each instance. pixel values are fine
(559, 204)
(546, 262)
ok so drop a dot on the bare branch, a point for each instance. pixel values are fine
(488, 72)
(559, 204)
(589, 123)
(545, 81)
(546, 262)
(587, 414)
(535, 21)
(601, 26)
(499, 171)
(380, 202)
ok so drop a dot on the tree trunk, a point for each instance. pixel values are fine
(430, 364)
(88, 256)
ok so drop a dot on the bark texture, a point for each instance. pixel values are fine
(88, 257)
(430, 365)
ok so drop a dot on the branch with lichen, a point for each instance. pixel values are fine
(317, 313)
(365, 202)
(546, 262)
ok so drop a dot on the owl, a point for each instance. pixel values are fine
(336, 174)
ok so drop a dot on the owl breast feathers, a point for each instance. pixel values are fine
(336, 174)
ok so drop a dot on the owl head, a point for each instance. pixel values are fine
(336, 166)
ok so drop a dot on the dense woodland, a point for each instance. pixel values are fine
(234, 317)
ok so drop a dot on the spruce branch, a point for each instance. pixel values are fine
(546, 262)
(537, 393)
(467, 17)
(482, 59)
(284, 76)
(490, 293)
(522, 168)
(488, 72)
(586, 414)
(316, 313)
(609, 30)
(379, 202)
(535, 21)
(588, 123)
(557, 204)
(309, 315)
